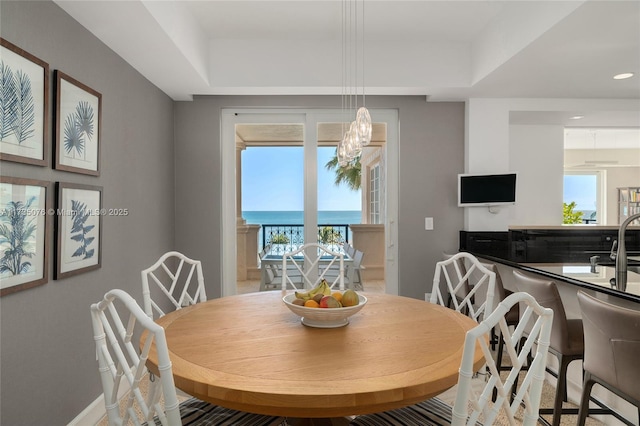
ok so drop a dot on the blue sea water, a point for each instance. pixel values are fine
(345, 217)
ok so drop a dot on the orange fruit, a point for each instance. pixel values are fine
(337, 295)
(311, 304)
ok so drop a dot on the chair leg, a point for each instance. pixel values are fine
(561, 388)
(583, 413)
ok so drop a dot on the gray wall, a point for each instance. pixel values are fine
(47, 354)
(431, 156)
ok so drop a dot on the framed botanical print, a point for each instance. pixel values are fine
(24, 102)
(79, 229)
(25, 222)
(77, 133)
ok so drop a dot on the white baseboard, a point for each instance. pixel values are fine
(90, 415)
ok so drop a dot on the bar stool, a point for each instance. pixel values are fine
(567, 337)
(611, 336)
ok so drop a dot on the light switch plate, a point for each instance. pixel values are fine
(428, 223)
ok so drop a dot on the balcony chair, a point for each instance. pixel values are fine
(611, 352)
(173, 286)
(118, 323)
(348, 248)
(271, 270)
(567, 337)
(457, 269)
(307, 267)
(475, 408)
(357, 266)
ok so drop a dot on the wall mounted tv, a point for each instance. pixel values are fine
(486, 189)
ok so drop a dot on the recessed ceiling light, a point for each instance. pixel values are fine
(623, 76)
(577, 117)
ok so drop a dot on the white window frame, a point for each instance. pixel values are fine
(309, 117)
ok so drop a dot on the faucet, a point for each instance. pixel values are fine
(621, 257)
(613, 253)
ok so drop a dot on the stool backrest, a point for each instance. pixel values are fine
(546, 293)
(611, 343)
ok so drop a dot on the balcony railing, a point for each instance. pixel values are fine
(293, 235)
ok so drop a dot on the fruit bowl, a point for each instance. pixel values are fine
(323, 317)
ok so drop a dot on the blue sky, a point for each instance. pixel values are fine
(582, 190)
(272, 179)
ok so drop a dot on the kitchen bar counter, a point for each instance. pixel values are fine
(580, 275)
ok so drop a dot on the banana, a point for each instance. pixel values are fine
(323, 288)
(303, 296)
(326, 290)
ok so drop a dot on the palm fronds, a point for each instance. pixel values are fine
(84, 118)
(79, 229)
(17, 108)
(23, 125)
(16, 233)
(7, 100)
(73, 139)
(349, 174)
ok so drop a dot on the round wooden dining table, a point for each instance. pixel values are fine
(250, 352)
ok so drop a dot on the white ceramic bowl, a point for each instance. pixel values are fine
(323, 317)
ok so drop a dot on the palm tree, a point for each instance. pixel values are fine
(349, 174)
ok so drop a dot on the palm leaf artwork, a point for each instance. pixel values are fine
(73, 140)
(84, 118)
(23, 125)
(16, 237)
(79, 229)
(8, 101)
(78, 126)
(349, 174)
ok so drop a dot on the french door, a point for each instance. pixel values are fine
(309, 119)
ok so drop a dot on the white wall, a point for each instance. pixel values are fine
(536, 153)
(487, 151)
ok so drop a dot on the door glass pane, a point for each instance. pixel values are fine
(272, 194)
(339, 198)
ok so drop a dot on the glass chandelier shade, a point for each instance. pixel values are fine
(363, 125)
(359, 132)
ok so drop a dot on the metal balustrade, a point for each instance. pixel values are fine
(286, 236)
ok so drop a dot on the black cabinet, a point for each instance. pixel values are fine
(494, 244)
(548, 245)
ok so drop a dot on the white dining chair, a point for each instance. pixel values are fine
(474, 406)
(476, 301)
(176, 281)
(352, 276)
(305, 263)
(124, 335)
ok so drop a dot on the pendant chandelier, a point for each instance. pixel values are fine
(358, 133)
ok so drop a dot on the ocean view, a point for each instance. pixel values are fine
(345, 217)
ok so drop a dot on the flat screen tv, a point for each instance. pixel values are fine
(486, 189)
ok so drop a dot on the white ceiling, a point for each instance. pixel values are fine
(443, 50)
